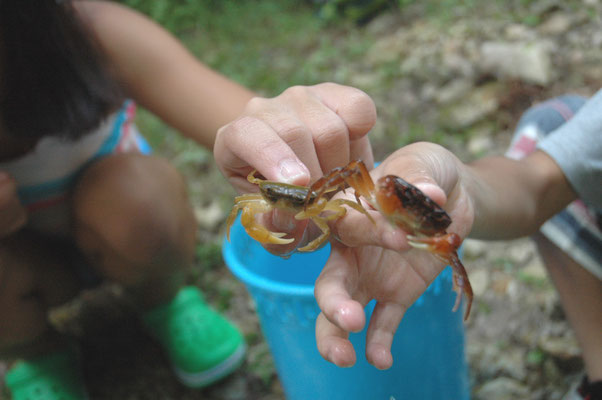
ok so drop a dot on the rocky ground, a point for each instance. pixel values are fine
(428, 77)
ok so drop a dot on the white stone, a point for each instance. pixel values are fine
(529, 61)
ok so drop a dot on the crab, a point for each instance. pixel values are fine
(300, 200)
(408, 208)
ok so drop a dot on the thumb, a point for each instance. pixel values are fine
(428, 166)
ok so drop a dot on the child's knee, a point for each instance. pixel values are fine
(134, 207)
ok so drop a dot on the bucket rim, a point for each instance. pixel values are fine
(256, 281)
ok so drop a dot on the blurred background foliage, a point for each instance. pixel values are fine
(269, 45)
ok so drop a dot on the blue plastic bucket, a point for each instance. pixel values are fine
(428, 348)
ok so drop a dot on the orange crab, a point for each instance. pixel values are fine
(405, 206)
(298, 199)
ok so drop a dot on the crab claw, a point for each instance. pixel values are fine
(259, 232)
(461, 284)
(442, 245)
(445, 248)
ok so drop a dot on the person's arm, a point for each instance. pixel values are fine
(513, 198)
(490, 198)
(295, 137)
(161, 74)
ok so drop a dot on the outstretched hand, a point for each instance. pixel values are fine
(296, 138)
(377, 262)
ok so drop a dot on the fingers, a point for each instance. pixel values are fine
(354, 107)
(380, 233)
(321, 127)
(383, 323)
(362, 150)
(341, 314)
(249, 143)
(334, 289)
(357, 113)
(430, 167)
(300, 115)
(333, 343)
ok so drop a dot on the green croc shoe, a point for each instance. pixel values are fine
(202, 345)
(50, 377)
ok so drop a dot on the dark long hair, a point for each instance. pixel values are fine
(54, 79)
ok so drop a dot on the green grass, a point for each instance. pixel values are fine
(257, 43)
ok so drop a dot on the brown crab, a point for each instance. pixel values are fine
(298, 199)
(405, 206)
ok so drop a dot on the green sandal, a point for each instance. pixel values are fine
(50, 377)
(202, 345)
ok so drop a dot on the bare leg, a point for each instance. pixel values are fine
(34, 276)
(581, 296)
(133, 221)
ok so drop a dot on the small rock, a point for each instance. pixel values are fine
(562, 348)
(557, 24)
(503, 388)
(500, 284)
(480, 144)
(597, 38)
(479, 280)
(457, 64)
(209, 217)
(389, 48)
(522, 251)
(474, 248)
(518, 32)
(454, 90)
(428, 92)
(551, 371)
(512, 290)
(535, 269)
(511, 362)
(383, 24)
(528, 61)
(480, 103)
(366, 81)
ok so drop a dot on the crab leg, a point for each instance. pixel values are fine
(336, 206)
(239, 203)
(355, 174)
(252, 204)
(361, 181)
(444, 247)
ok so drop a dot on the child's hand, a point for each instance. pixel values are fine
(374, 262)
(12, 214)
(296, 138)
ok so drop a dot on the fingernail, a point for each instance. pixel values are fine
(291, 170)
(425, 186)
